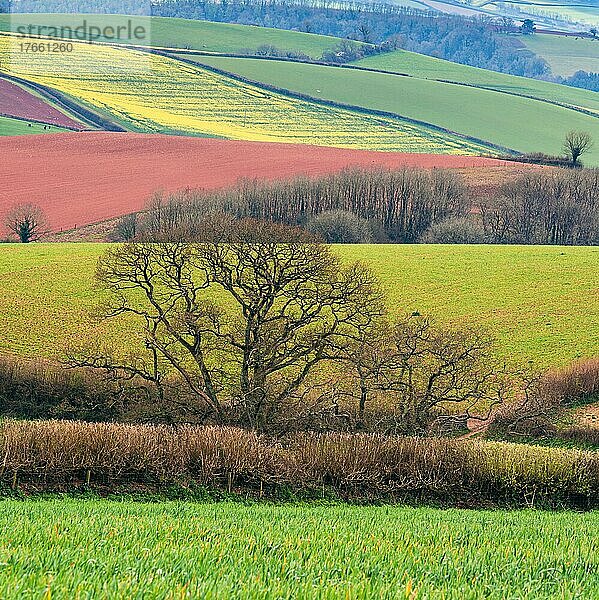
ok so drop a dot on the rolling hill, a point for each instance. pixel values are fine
(506, 119)
(177, 33)
(565, 55)
(20, 103)
(152, 93)
(117, 173)
(428, 67)
(10, 126)
(539, 302)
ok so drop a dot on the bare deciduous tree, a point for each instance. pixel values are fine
(27, 222)
(559, 207)
(242, 326)
(576, 144)
(422, 371)
(125, 229)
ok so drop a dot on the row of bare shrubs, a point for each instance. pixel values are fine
(38, 389)
(59, 455)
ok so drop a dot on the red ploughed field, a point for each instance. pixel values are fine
(84, 178)
(17, 102)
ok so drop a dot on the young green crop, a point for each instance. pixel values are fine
(505, 119)
(98, 549)
(539, 301)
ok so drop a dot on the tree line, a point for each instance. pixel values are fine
(557, 206)
(398, 205)
(471, 41)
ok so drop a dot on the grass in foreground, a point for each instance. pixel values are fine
(94, 548)
(520, 124)
(10, 126)
(539, 301)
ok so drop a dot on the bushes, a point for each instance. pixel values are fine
(455, 230)
(38, 390)
(542, 409)
(404, 206)
(340, 227)
(57, 455)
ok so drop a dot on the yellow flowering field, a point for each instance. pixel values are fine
(153, 93)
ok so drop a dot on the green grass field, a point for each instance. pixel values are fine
(182, 33)
(10, 126)
(540, 302)
(428, 67)
(100, 549)
(509, 121)
(565, 55)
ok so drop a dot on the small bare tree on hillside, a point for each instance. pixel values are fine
(424, 372)
(576, 144)
(27, 222)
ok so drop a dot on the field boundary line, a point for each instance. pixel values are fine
(62, 100)
(340, 105)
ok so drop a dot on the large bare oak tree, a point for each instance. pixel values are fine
(243, 326)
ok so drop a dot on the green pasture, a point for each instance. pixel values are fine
(523, 124)
(10, 126)
(427, 67)
(540, 302)
(566, 55)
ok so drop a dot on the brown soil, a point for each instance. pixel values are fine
(17, 102)
(84, 178)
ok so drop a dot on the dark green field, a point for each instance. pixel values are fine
(520, 124)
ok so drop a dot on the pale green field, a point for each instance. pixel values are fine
(10, 126)
(67, 549)
(427, 67)
(507, 120)
(178, 33)
(565, 55)
(540, 302)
